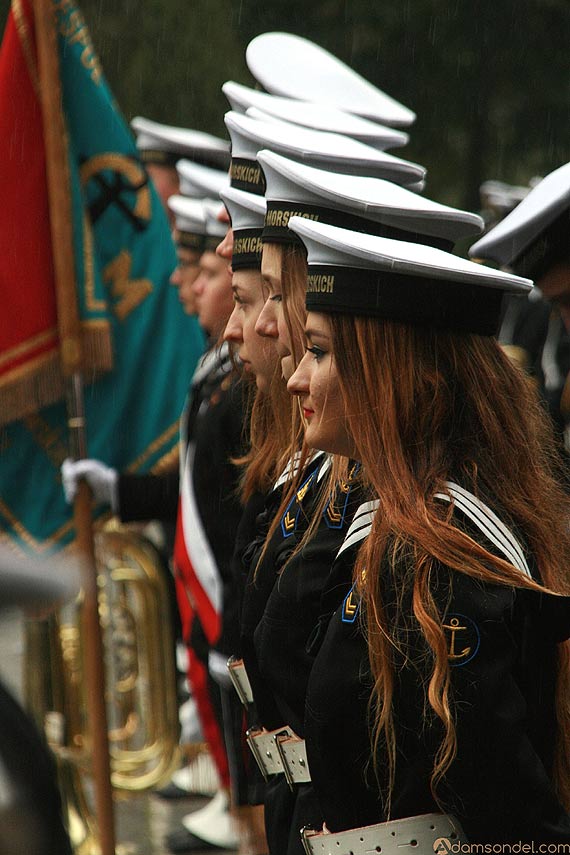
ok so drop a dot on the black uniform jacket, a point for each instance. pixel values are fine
(281, 608)
(258, 582)
(214, 419)
(283, 633)
(31, 816)
(502, 645)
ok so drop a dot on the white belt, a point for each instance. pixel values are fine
(280, 751)
(293, 753)
(414, 834)
(240, 680)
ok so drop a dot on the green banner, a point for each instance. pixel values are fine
(124, 256)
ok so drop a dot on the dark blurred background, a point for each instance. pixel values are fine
(488, 79)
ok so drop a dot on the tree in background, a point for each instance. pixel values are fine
(488, 79)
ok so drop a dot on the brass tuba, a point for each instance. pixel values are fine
(142, 711)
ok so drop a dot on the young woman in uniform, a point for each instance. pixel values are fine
(319, 508)
(441, 684)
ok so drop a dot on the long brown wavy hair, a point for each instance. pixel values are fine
(425, 407)
(293, 262)
(269, 436)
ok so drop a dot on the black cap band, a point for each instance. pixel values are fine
(213, 159)
(279, 213)
(159, 157)
(405, 298)
(246, 254)
(212, 242)
(551, 246)
(190, 240)
(247, 175)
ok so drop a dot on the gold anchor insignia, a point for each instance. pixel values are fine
(349, 606)
(454, 628)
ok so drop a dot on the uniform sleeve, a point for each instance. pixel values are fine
(148, 497)
(503, 680)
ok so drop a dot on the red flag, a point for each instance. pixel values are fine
(29, 361)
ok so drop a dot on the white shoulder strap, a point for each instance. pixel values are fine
(488, 522)
(292, 467)
(360, 525)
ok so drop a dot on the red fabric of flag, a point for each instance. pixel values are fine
(29, 374)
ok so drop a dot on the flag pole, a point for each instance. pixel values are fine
(71, 357)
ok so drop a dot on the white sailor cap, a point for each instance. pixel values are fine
(501, 198)
(324, 150)
(297, 68)
(189, 221)
(27, 581)
(537, 232)
(357, 203)
(362, 274)
(215, 228)
(247, 215)
(200, 182)
(318, 117)
(163, 144)
(196, 225)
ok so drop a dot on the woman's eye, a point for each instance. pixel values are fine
(275, 298)
(317, 352)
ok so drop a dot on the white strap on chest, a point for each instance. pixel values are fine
(488, 523)
(360, 525)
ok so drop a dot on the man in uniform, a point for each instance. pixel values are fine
(534, 241)
(162, 146)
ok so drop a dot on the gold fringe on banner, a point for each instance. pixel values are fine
(39, 382)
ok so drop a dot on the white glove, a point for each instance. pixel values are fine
(102, 479)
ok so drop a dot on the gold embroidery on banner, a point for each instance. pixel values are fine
(97, 328)
(39, 547)
(25, 41)
(165, 437)
(74, 29)
(50, 439)
(29, 345)
(129, 293)
(135, 174)
(30, 368)
(167, 463)
(124, 165)
(92, 304)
